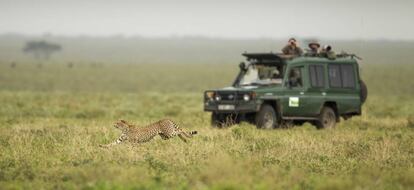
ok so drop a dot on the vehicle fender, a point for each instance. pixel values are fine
(274, 102)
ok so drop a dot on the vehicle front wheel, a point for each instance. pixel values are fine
(266, 118)
(327, 119)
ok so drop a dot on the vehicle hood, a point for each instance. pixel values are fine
(249, 88)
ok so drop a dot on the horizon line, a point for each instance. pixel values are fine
(200, 36)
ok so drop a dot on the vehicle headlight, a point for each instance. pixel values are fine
(210, 95)
(246, 97)
(218, 98)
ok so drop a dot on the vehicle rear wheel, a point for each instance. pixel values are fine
(266, 118)
(364, 91)
(327, 119)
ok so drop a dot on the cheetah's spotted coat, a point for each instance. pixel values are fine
(165, 128)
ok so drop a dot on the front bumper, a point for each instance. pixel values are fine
(239, 107)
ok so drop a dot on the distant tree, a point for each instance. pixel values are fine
(41, 49)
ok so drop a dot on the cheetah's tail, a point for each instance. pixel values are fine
(193, 132)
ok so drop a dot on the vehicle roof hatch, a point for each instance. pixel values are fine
(267, 58)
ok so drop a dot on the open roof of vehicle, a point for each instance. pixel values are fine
(280, 58)
(276, 57)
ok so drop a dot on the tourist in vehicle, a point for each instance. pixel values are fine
(327, 52)
(295, 79)
(292, 48)
(313, 49)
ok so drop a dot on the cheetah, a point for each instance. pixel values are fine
(165, 128)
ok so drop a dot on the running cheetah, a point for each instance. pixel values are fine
(166, 128)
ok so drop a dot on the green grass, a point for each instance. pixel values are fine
(53, 118)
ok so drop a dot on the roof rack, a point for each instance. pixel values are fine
(344, 54)
(280, 57)
(267, 56)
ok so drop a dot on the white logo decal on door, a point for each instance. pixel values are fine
(293, 101)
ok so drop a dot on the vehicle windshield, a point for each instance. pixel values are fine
(262, 75)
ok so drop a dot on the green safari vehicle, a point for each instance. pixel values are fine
(273, 90)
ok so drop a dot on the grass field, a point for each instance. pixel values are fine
(53, 118)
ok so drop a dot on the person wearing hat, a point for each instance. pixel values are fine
(292, 48)
(313, 49)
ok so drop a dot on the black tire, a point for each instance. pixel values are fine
(223, 120)
(266, 118)
(364, 91)
(327, 119)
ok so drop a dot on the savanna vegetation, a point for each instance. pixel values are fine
(53, 117)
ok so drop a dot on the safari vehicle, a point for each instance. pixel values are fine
(272, 90)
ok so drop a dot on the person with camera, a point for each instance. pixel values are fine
(327, 52)
(292, 48)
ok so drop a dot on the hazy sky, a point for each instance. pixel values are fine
(348, 19)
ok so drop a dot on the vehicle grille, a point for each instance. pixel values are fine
(230, 96)
(227, 96)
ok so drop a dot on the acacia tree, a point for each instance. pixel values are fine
(41, 49)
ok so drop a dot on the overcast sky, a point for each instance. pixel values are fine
(350, 19)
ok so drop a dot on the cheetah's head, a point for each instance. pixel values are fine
(121, 125)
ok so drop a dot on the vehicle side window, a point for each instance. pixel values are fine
(334, 73)
(348, 76)
(295, 77)
(317, 76)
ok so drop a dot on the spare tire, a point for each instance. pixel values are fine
(364, 91)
